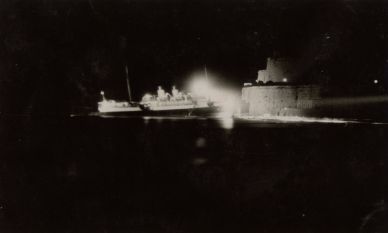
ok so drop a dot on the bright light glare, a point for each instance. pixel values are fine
(200, 87)
(227, 123)
(226, 99)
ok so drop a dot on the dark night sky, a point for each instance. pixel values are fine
(55, 55)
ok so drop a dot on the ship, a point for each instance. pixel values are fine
(177, 103)
(163, 103)
(113, 107)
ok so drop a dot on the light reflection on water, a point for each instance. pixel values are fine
(299, 119)
(228, 122)
(225, 122)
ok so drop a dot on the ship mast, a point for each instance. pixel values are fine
(128, 86)
(207, 83)
(206, 78)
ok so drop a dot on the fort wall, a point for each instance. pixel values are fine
(279, 100)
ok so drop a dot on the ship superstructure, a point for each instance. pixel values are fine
(113, 106)
(176, 103)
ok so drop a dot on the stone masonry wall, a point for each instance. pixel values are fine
(279, 100)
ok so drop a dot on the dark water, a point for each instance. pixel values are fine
(91, 174)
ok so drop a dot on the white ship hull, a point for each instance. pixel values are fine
(117, 107)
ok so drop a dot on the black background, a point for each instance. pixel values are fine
(57, 55)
